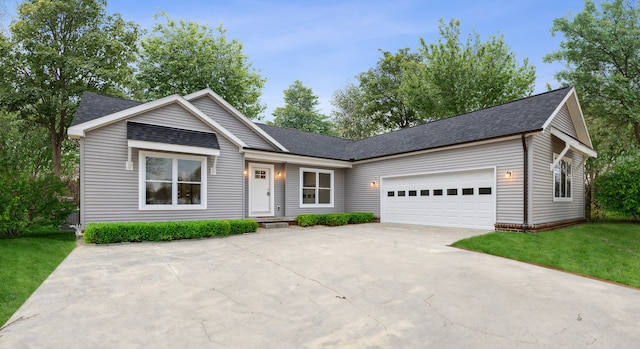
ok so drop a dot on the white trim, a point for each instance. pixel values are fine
(577, 146)
(457, 146)
(317, 187)
(575, 112)
(235, 112)
(494, 189)
(142, 206)
(295, 159)
(79, 131)
(176, 148)
(557, 159)
(251, 166)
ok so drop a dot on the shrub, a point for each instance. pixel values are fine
(334, 219)
(619, 189)
(242, 226)
(27, 203)
(104, 233)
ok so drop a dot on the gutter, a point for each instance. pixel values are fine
(525, 203)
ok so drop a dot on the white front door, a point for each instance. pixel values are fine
(260, 190)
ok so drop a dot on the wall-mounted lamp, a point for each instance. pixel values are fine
(508, 174)
(245, 172)
(374, 183)
(278, 173)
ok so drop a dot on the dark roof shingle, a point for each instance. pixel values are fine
(93, 106)
(170, 135)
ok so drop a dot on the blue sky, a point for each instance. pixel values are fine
(326, 43)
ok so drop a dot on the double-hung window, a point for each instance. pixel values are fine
(562, 179)
(316, 188)
(171, 181)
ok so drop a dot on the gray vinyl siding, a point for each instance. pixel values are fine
(231, 123)
(543, 208)
(562, 121)
(505, 155)
(292, 189)
(111, 191)
(278, 190)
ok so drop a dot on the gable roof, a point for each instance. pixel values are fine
(162, 134)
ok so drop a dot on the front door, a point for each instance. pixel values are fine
(260, 190)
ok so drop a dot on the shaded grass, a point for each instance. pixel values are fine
(609, 251)
(26, 262)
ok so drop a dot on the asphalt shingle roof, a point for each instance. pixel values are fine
(170, 135)
(520, 116)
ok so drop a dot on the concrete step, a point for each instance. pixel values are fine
(275, 225)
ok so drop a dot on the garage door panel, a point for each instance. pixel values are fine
(461, 203)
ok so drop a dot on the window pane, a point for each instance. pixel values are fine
(158, 193)
(189, 170)
(401, 193)
(424, 192)
(158, 169)
(563, 178)
(325, 180)
(391, 193)
(324, 196)
(437, 192)
(484, 191)
(467, 191)
(452, 191)
(556, 181)
(188, 194)
(412, 192)
(308, 179)
(308, 196)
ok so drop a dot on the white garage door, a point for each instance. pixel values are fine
(463, 199)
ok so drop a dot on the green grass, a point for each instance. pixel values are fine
(609, 251)
(26, 262)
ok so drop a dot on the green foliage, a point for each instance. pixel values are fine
(242, 226)
(105, 233)
(27, 262)
(382, 98)
(185, 56)
(301, 111)
(26, 203)
(334, 219)
(604, 250)
(350, 118)
(453, 77)
(619, 189)
(57, 50)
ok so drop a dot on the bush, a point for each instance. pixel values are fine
(242, 226)
(334, 219)
(619, 189)
(27, 203)
(105, 233)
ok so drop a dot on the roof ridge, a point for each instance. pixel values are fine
(313, 133)
(114, 97)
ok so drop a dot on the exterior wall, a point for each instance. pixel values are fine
(231, 123)
(111, 191)
(278, 188)
(542, 207)
(292, 191)
(505, 155)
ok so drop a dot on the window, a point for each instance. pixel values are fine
(452, 191)
(316, 187)
(401, 193)
(412, 193)
(424, 192)
(484, 191)
(467, 191)
(562, 180)
(437, 192)
(391, 193)
(169, 181)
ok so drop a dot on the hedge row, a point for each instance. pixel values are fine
(334, 219)
(105, 233)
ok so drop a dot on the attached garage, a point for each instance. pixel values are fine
(465, 199)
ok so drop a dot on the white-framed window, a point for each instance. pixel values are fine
(562, 179)
(316, 187)
(172, 181)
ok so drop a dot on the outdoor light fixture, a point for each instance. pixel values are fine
(373, 183)
(278, 173)
(509, 174)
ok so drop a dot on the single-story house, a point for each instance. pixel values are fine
(517, 166)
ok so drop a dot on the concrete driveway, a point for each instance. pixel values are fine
(364, 286)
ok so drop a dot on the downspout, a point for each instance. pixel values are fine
(525, 203)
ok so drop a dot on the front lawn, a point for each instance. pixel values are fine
(26, 262)
(609, 251)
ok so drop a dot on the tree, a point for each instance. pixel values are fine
(382, 99)
(300, 111)
(57, 50)
(454, 77)
(184, 57)
(619, 189)
(349, 115)
(601, 51)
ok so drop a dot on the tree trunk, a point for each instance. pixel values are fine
(56, 153)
